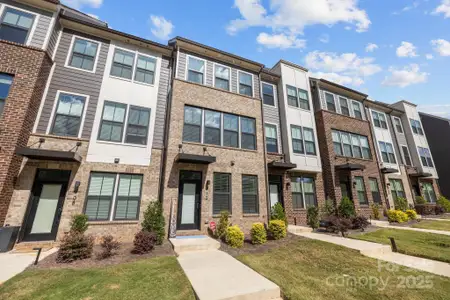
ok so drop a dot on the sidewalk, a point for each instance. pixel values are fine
(385, 224)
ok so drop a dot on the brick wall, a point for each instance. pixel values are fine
(30, 68)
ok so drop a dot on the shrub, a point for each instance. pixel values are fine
(397, 216)
(412, 215)
(376, 211)
(235, 237)
(109, 245)
(144, 242)
(277, 213)
(346, 208)
(328, 209)
(439, 210)
(75, 246)
(360, 222)
(154, 221)
(224, 223)
(277, 229)
(401, 204)
(444, 202)
(79, 224)
(337, 224)
(312, 217)
(258, 233)
(425, 209)
(420, 200)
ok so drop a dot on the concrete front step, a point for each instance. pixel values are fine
(183, 244)
(26, 247)
(294, 229)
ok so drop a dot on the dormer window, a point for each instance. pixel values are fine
(16, 25)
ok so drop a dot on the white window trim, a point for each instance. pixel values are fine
(55, 105)
(133, 69)
(303, 190)
(214, 76)
(186, 73)
(277, 134)
(35, 21)
(326, 102)
(403, 155)
(420, 158)
(303, 141)
(50, 29)
(421, 127)
(253, 84)
(385, 119)
(275, 98)
(340, 106)
(393, 150)
(360, 109)
(71, 51)
(401, 125)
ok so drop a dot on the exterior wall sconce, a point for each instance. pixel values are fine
(354, 184)
(116, 160)
(288, 185)
(232, 163)
(208, 182)
(76, 186)
(388, 184)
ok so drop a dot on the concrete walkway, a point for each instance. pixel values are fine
(385, 224)
(383, 252)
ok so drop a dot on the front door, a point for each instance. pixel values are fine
(189, 200)
(275, 190)
(46, 202)
(345, 190)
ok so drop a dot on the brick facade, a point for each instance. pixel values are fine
(30, 68)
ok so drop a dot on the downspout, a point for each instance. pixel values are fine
(266, 172)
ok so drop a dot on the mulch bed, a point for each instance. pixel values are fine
(123, 255)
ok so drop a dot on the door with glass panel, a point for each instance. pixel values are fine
(45, 205)
(275, 190)
(189, 200)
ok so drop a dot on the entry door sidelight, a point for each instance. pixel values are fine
(189, 200)
(275, 190)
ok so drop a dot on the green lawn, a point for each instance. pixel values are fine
(157, 278)
(313, 270)
(435, 225)
(422, 244)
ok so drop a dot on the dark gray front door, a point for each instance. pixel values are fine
(189, 200)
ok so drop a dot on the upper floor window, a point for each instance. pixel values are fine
(303, 192)
(145, 69)
(245, 84)
(5, 85)
(83, 54)
(15, 25)
(268, 94)
(373, 182)
(303, 140)
(212, 127)
(387, 153)
(192, 130)
(297, 97)
(361, 191)
(398, 125)
(68, 115)
(351, 145)
(230, 130)
(222, 77)
(416, 127)
(331, 105)
(137, 127)
(248, 133)
(123, 62)
(379, 120)
(344, 106)
(271, 138)
(196, 70)
(425, 157)
(407, 156)
(357, 110)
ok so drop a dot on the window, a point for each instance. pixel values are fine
(268, 94)
(230, 130)
(303, 192)
(221, 193)
(248, 133)
(387, 153)
(68, 115)
(292, 96)
(113, 118)
(196, 70)
(344, 106)
(407, 156)
(137, 128)
(357, 110)
(297, 97)
(416, 127)
(351, 145)
(310, 145)
(5, 85)
(192, 124)
(102, 196)
(15, 25)
(297, 139)
(83, 54)
(212, 128)
(425, 157)
(361, 191)
(397, 190)
(428, 192)
(375, 191)
(398, 125)
(145, 69)
(123, 62)
(222, 77)
(331, 105)
(250, 201)
(245, 84)
(379, 120)
(271, 138)
(303, 96)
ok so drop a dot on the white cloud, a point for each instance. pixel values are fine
(414, 5)
(324, 38)
(346, 68)
(429, 56)
(161, 28)
(441, 110)
(444, 8)
(441, 46)
(77, 4)
(405, 76)
(371, 47)
(293, 16)
(281, 41)
(93, 16)
(406, 49)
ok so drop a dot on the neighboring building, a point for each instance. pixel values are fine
(437, 130)
(350, 165)
(423, 176)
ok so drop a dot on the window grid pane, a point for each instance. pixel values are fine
(100, 195)
(111, 127)
(68, 115)
(221, 193)
(250, 200)
(83, 54)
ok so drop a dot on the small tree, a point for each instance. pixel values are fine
(401, 204)
(224, 223)
(346, 208)
(154, 221)
(75, 245)
(376, 211)
(79, 224)
(444, 202)
(420, 200)
(312, 217)
(109, 245)
(277, 213)
(329, 208)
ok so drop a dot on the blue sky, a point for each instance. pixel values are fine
(391, 50)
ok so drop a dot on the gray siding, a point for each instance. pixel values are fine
(43, 25)
(400, 138)
(53, 39)
(75, 81)
(161, 108)
(272, 115)
(397, 148)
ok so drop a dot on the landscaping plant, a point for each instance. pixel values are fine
(224, 223)
(329, 208)
(444, 202)
(277, 213)
(338, 224)
(412, 215)
(360, 222)
(397, 216)
(439, 209)
(75, 245)
(312, 217)
(420, 200)
(109, 245)
(154, 221)
(235, 237)
(79, 224)
(144, 242)
(401, 204)
(258, 234)
(346, 208)
(277, 229)
(425, 209)
(376, 211)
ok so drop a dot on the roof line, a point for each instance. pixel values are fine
(433, 116)
(343, 87)
(290, 64)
